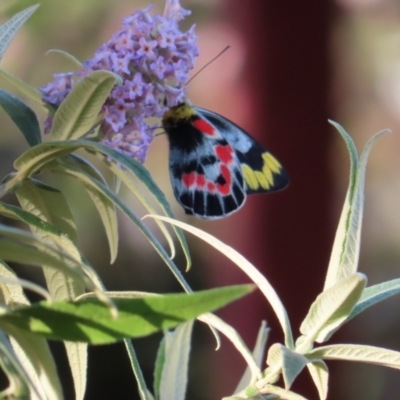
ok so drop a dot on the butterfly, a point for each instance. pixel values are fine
(214, 164)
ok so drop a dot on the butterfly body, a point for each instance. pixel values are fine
(214, 164)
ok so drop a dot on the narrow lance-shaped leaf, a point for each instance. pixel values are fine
(143, 175)
(34, 160)
(50, 205)
(37, 157)
(134, 189)
(90, 320)
(36, 349)
(19, 246)
(158, 369)
(340, 237)
(78, 113)
(75, 62)
(352, 245)
(248, 269)
(10, 28)
(357, 352)
(14, 295)
(375, 294)
(319, 374)
(331, 309)
(174, 375)
(231, 334)
(87, 179)
(28, 90)
(258, 353)
(290, 362)
(20, 383)
(344, 259)
(103, 204)
(23, 116)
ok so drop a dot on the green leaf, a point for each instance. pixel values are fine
(375, 294)
(78, 361)
(96, 185)
(51, 206)
(158, 369)
(90, 321)
(319, 374)
(103, 204)
(174, 375)
(141, 384)
(290, 362)
(78, 113)
(29, 91)
(20, 382)
(143, 175)
(126, 177)
(19, 246)
(217, 323)
(37, 351)
(13, 295)
(357, 352)
(76, 63)
(23, 116)
(36, 158)
(258, 353)
(249, 269)
(346, 249)
(331, 309)
(10, 28)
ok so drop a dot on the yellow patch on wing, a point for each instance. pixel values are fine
(249, 177)
(272, 163)
(262, 179)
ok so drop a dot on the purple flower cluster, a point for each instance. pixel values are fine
(153, 58)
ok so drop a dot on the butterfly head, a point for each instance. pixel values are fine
(176, 114)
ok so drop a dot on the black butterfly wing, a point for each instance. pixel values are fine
(205, 173)
(262, 172)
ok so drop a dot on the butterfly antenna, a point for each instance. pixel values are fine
(205, 66)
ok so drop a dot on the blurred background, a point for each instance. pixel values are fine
(291, 66)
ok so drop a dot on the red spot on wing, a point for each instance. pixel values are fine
(226, 173)
(211, 186)
(200, 181)
(203, 126)
(189, 180)
(224, 189)
(224, 153)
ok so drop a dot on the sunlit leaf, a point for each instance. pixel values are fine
(346, 249)
(248, 268)
(319, 374)
(90, 320)
(174, 374)
(80, 110)
(375, 294)
(10, 28)
(357, 352)
(332, 308)
(290, 362)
